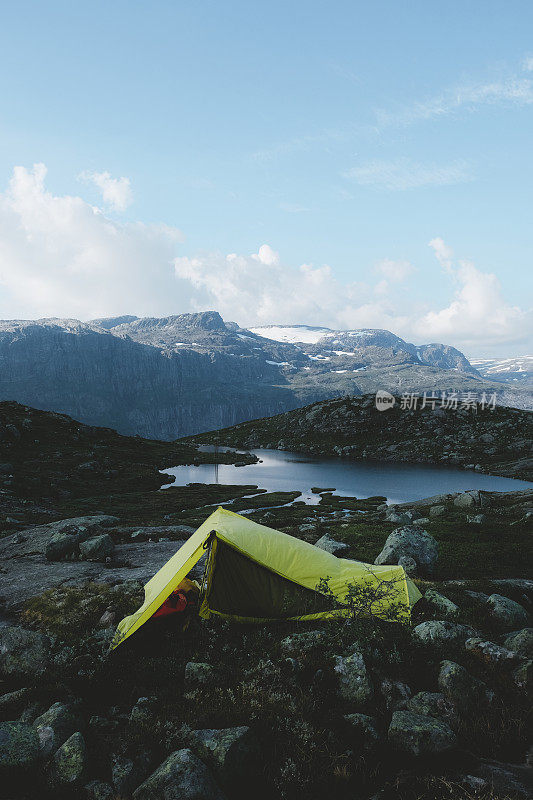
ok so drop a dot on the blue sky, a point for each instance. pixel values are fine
(344, 136)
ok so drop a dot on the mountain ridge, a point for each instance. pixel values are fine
(187, 373)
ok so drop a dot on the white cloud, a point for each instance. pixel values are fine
(527, 64)
(266, 256)
(60, 256)
(116, 192)
(443, 253)
(478, 313)
(404, 174)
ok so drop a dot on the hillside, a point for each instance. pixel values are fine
(83, 526)
(497, 441)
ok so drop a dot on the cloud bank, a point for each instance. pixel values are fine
(61, 256)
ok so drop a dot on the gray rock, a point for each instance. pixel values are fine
(398, 518)
(432, 704)
(181, 777)
(298, 644)
(331, 546)
(23, 653)
(491, 653)
(98, 548)
(420, 734)
(98, 790)
(521, 642)
(410, 541)
(32, 575)
(442, 632)
(409, 565)
(395, 694)
(353, 682)
(36, 539)
(523, 677)
(477, 519)
(66, 543)
(13, 702)
(366, 730)
(46, 741)
(465, 500)
(19, 747)
(506, 612)
(70, 762)
(437, 511)
(126, 775)
(233, 754)
(61, 720)
(142, 711)
(442, 604)
(507, 780)
(465, 691)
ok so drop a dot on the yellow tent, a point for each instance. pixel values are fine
(256, 574)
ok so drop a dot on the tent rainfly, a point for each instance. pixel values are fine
(257, 574)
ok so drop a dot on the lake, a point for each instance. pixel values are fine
(400, 483)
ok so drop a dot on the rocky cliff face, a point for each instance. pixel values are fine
(188, 373)
(104, 379)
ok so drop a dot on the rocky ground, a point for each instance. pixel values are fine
(363, 709)
(498, 441)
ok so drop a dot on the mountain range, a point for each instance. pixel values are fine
(183, 374)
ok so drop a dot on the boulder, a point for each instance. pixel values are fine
(445, 607)
(465, 500)
(66, 544)
(142, 712)
(353, 682)
(23, 653)
(437, 511)
(507, 780)
(19, 747)
(70, 762)
(432, 704)
(442, 632)
(331, 545)
(298, 644)
(13, 702)
(491, 653)
(521, 642)
(97, 548)
(365, 728)
(420, 734)
(126, 775)
(507, 613)
(409, 565)
(410, 541)
(181, 777)
(523, 677)
(465, 691)
(233, 754)
(395, 694)
(61, 720)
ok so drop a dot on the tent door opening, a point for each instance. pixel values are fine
(237, 586)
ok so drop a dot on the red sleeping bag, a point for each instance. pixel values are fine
(174, 604)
